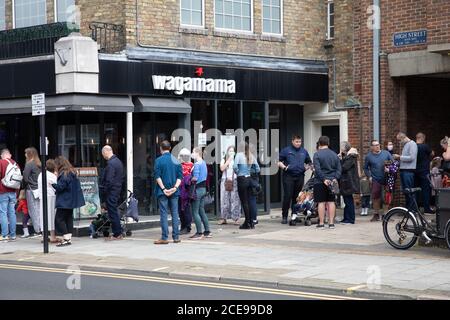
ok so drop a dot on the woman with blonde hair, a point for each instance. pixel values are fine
(30, 180)
(68, 197)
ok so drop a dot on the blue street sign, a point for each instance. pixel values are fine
(410, 38)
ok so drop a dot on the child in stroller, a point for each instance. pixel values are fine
(305, 205)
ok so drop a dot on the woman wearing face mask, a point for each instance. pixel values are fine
(199, 175)
(230, 204)
(390, 147)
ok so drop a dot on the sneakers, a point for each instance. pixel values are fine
(161, 241)
(176, 241)
(4, 239)
(64, 243)
(197, 236)
(320, 227)
(364, 211)
(24, 236)
(244, 226)
(331, 226)
(185, 231)
(255, 222)
(207, 234)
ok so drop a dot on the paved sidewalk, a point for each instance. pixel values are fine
(351, 258)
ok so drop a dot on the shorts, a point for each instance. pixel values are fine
(322, 193)
(377, 189)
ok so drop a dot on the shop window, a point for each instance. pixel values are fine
(192, 13)
(90, 145)
(29, 13)
(233, 14)
(67, 144)
(62, 10)
(272, 16)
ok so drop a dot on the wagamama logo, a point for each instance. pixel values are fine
(182, 84)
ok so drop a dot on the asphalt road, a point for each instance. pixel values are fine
(29, 282)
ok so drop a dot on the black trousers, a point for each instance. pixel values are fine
(64, 221)
(244, 189)
(292, 187)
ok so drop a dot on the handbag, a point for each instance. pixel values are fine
(208, 199)
(229, 184)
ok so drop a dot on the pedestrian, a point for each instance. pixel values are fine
(349, 182)
(8, 196)
(374, 170)
(327, 168)
(422, 175)
(22, 208)
(255, 192)
(199, 176)
(51, 199)
(111, 189)
(365, 194)
(68, 197)
(390, 147)
(292, 161)
(436, 177)
(30, 178)
(230, 204)
(445, 155)
(391, 170)
(408, 164)
(168, 176)
(185, 200)
(244, 165)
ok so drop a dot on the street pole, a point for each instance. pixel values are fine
(44, 181)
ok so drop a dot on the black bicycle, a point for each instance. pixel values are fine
(402, 227)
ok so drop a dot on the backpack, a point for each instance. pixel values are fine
(13, 176)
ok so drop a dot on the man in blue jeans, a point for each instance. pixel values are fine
(408, 163)
(7, 201)
(168, 175)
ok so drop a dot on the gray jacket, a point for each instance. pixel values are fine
(408, 159)
(30, 176)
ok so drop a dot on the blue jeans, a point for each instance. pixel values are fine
(349, 210)
(253, 208)
(166, 204)
(8, 214)
(198, 211)
(407, 180)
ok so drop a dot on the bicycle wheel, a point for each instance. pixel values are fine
(447, 234)
(400, 229)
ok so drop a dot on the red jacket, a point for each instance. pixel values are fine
(187, 168)
(23, 206)
(3, 166)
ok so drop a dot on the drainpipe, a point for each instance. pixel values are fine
(376, 71)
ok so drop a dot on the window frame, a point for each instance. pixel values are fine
(193, 26)
(329, 27)
(227, 30)
(55, 5)
(281, 21)
(14, 24)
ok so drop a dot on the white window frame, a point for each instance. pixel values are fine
(281, 21)
(329, 2)
(4, 16)
(13, 2)
(245, 32)
(193, 25)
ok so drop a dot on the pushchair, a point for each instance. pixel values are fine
(128, 212)
(307, 208)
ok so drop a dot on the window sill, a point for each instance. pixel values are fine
(272, 38)
(193, 30)
(235, 34)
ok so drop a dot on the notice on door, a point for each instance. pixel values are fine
(89, 185)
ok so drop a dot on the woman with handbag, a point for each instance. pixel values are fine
(230, 204)
(244, 165)
(30, 179)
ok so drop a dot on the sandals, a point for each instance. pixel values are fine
(222, 221)
(64, 243)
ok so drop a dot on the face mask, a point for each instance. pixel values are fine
(231, 154)
(194, 156)
(390, 148)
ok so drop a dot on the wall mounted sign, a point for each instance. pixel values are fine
(179, 85)
(410, 38)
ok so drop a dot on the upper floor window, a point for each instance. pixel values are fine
(29, 13)
(2, 15)
(233, 14)
(61, 12)
(330, 29)
(192, 12)
(272, 16)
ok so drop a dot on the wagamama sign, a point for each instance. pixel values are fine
(182, 84)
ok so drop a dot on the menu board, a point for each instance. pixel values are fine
(89, 185)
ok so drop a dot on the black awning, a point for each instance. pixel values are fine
(166, 105)
(71, 102)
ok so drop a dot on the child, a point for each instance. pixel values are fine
(23, 207)
(305, 201)
(365, 195)
(391, 169)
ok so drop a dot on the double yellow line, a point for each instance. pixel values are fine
(193, 283)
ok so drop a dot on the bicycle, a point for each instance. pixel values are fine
(402, 227)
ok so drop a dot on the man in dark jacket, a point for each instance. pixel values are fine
(292, 161)
(110, 188)
(423, 180)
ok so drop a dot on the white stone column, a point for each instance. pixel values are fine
(130, 151)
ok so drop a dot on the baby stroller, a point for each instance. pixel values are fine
(128, 212)
(306, 209)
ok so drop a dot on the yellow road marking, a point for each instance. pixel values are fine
(182, 282)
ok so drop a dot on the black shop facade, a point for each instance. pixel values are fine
(143, 100)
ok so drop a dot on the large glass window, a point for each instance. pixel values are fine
(272, 13)
(2, 15)
(192, 12)
(67, 144)
(233, 14)
(29, 13)
(330, 31)
(62, 14)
